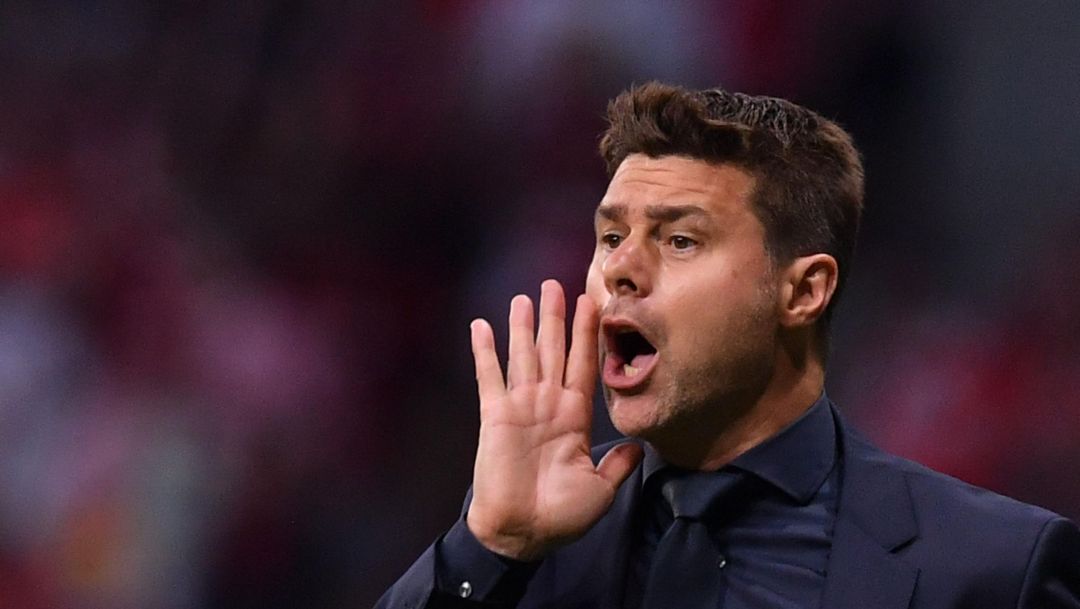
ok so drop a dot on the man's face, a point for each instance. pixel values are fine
(687, 297)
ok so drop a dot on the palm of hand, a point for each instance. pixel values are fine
(535, 486)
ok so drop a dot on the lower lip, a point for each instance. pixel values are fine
(615, 378)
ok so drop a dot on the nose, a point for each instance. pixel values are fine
(628, 269)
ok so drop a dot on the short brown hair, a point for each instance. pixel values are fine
(808, 174)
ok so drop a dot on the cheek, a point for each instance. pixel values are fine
(712, 311)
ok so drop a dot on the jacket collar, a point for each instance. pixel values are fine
(875, 519)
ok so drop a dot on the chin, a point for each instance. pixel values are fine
(636, 416)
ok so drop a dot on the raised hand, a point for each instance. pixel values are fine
(534, 483)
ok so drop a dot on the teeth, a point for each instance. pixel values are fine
(629, 370)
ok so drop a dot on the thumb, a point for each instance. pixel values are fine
(617, 464)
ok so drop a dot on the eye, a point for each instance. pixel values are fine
(611, 240)
(681, 242)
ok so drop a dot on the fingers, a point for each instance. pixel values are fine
(581, 364)
(489, 379)
(523, 363)
(551, 338)
(545, 357)
(619, 462)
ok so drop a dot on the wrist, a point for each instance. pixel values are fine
(495, 581)
(521, 547)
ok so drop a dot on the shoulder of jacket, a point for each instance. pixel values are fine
(944, 496)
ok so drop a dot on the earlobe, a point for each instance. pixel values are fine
(810, 282)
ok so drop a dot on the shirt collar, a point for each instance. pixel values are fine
(796, 460)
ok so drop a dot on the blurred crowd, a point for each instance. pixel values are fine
(240, 244)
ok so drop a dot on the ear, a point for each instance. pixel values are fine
(807, 285)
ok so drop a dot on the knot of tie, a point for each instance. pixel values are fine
(679, 575)
(690, 495)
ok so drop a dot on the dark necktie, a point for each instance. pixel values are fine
(686, 571)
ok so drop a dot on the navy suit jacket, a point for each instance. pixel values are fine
(905, 537)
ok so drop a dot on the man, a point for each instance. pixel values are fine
(723, 242)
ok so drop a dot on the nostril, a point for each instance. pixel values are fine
(625, 283)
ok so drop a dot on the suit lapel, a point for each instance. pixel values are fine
(863, 574)
(875, 519)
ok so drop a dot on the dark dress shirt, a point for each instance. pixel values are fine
(775, 543)
(776, 534)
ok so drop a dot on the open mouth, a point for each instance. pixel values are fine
(629, 356)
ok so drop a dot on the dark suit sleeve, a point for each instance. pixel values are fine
(1052, 580)
(458, 571)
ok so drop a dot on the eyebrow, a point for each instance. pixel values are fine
(661, 213)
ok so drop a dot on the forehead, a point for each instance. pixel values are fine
(641, 181)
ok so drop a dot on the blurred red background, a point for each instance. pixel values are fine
(240, 244)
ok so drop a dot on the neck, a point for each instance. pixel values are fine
(738, 427)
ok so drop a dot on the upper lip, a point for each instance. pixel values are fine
(615, 325)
